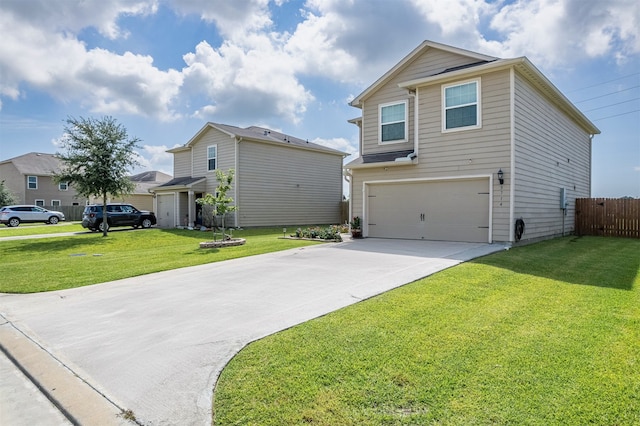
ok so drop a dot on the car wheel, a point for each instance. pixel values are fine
(102, 225)
(146, 223)
(53, 220)
(14, 221)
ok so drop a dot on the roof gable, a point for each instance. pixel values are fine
(473, 57)
(523, 66)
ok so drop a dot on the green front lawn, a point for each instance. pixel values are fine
(55, 263)
(546, 334)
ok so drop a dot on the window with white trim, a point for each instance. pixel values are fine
(55, 203)
(39, 203)
(32, 182)
(63, 186)
(461, 106)
(212, 157)
(393, 122)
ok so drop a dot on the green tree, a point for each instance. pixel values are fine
(6, 197)
(97, 157)
(220, 202)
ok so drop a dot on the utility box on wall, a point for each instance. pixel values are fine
(563, 198)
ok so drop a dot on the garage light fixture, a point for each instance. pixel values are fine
(501, 177)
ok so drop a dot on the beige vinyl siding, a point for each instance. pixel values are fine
(225, 157)
(477, 152)
(182, 164)
(287, 186)
(431, 62)
(139, 201)
(551, 152)
(48, 191)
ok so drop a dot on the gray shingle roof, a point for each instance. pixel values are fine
(262, 134)
(181, 181)
(36, 164)
(385, 156)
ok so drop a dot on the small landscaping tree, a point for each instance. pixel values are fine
(6, 197)
(97, 160)
(220, 202)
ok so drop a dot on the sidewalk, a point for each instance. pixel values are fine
(21, 403)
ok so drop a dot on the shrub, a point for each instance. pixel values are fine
(331, 233)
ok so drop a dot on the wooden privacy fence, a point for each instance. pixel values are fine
(71, 213)
(609, 217)
(344, 212)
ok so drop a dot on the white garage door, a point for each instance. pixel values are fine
(455, 210)
(166, 211)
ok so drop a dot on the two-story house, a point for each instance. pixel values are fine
(29, 178)
(279, 179)
(460, 146)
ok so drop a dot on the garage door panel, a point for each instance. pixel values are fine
(456, 210)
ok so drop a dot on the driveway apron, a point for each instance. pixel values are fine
(155, 344)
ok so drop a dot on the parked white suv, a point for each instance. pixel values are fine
(14, 215)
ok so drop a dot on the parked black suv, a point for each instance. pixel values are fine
(117, 215)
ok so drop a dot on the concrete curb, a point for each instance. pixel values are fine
(80, 403)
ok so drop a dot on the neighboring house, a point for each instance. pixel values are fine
(279, 179)
(29, 178)
(438, 128)
(141, 197)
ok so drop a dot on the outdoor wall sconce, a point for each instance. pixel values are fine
(501, 177)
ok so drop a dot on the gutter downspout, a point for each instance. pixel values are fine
(416, 128)
(236, 217)
(512, 166)
(590, 163)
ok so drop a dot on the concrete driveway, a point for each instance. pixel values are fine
(156, 344)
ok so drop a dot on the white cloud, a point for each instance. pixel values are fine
(155, 157)
(234, 18)
(56, 62)
(341, 144)
(256, 80)
(73, 16)
(315, 49)
(557, 33)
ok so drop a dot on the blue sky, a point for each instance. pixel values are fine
(163, 68)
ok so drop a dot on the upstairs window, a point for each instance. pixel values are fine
(32, 182)
(393, 122)
(212, 157)
(461, 106)
(63, 186)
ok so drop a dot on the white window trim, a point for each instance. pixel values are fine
(38, 200)
(53, 203)
(478, 124)
(36, 182)
(406, 122)
(216, 168)
(66, 188)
